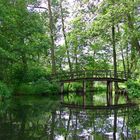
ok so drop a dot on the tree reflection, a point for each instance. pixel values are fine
(37, 120)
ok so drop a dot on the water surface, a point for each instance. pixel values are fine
(44, 118)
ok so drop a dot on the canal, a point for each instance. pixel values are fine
(45, 118)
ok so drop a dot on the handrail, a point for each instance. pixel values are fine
(91, 74)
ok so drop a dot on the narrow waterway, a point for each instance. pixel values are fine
(44, 118)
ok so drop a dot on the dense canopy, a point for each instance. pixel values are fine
(39, 38)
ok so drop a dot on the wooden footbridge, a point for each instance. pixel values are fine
(92, 75)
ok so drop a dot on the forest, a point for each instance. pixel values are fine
(70, 69)
(41, 38)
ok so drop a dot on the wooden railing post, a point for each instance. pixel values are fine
(109, 93)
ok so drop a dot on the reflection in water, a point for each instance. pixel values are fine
(46, 119)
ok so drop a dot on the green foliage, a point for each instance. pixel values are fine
(134, 116)
(26, 51)
(4, 90)
(23, 39)
(33, 73)
(100, 87)
(133, 89)
(77, 87)
(40, 87)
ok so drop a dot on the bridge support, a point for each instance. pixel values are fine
(84, 87)
(61, 88)
(91, 91)
(84, 93)
(109, 93)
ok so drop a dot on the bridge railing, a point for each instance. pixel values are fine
(91, 74)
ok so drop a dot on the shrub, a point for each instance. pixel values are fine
(32, 74)
(133, 89)
(42, 87)
(25, 88)
(4, 90)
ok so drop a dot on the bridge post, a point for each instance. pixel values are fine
(92, 90)
(84, 87)
(61, 88)
(84, 93)
(109, 93)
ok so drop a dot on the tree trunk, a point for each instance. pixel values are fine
(127, 59)
(122, 54)
(123, 59)
(76, 59)
(52, 38)
(114, 53)
(65, 38)
(114, 56)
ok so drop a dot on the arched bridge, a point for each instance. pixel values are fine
(92, 75)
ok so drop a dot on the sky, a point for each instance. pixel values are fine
(72, 6)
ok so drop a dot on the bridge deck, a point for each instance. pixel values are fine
(94, 79)
(92, 75)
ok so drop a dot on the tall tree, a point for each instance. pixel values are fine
(65, 37)
(21, 34)
(51, 25)
(114, 49)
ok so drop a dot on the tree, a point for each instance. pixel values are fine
(65, 37)
(52, 37)
(21, 33)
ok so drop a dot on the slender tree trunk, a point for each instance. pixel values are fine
(122, 54)
(65, 38)
(114, 52)
(123, 59)
(127, 59)
(76, 59)
(114, 56)
(52, 38)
